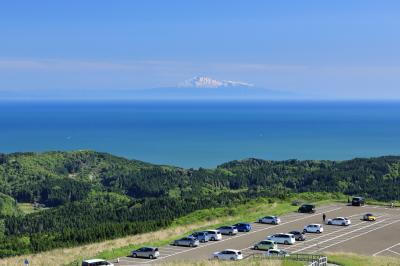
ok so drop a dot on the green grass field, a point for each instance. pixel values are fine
(350, 259)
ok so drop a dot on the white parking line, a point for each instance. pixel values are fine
(383, 250)
(359, 235)
(330, 239)
(249, 233)
(323, 235)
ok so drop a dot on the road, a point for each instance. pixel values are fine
(381, 237)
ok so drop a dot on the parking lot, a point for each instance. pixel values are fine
(380, 238)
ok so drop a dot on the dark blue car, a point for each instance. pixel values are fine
(243, 227)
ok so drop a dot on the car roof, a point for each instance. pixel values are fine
(315, 224)
(94, 260)
(235, 250)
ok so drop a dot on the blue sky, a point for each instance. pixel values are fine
(322, 49)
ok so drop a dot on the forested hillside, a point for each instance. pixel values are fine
(91, 196)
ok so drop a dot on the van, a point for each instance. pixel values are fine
(357, 201)
(307, 208)
(287, 239)
(96, 262)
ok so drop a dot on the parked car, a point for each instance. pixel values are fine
(307, 208)
(214, 235)
(299, 236)
(369, 217)
(287, 239)
(313, 228)
(357, 201)
(270, 220)
(187, 242)
(228, 254)
(243, 227)
(96, 262)
(201, 236)
(265, 245)
(146, 252)
(276, 252)
(339, 221)
(228, 230)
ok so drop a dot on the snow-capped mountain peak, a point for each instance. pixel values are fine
(206, 82)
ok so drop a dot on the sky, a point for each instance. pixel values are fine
(342, 49)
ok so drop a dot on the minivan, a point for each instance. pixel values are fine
(96, 262)
(287, 239)
(201, 236)
(357, 201)
(307, 208)
(214, 235)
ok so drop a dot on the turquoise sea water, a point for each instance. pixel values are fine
(194, 134)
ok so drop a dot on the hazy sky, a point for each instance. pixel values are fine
(324, 49)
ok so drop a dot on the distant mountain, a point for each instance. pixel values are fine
(206, 88)
(206, 82)
(197, 88)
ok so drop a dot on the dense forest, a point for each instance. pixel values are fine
(86, 196)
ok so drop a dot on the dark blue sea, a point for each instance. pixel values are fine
(204, 134)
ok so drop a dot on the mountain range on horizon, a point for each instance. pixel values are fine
(207, 82)
(196, 88)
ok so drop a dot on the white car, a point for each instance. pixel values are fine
(228, 254)
(270, 220)
(96, 262)
(214, 235)
(313, 228)
(339, 221)
(287, 239)
(276, 252)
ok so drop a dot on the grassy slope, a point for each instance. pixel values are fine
(349, 259)
(8, 206)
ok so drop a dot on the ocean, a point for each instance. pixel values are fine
(204, 134)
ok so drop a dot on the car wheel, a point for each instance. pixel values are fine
(216, 257)
(232, 258)
(274, 222)
(343, 224)
(134, 255)
(256, 247)
(203, 241)
(260, 221)
(305, 231)
(191, 245)
(330, 223)
(286, 242)
(212, 238)
(230, 233)
(319, 232)
(151, 257)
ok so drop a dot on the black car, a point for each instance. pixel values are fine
(307, 208)
(299, 236)
(357, 201)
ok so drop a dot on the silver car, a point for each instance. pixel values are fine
(228, 230)
(146, 252)
(187, 242)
